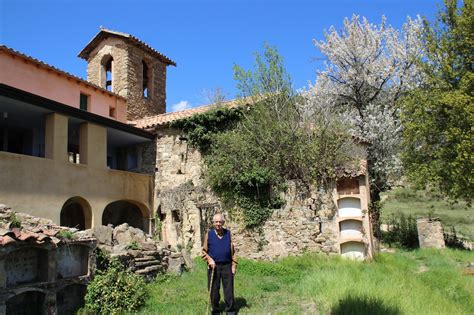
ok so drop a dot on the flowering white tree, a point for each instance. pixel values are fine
(369, 68)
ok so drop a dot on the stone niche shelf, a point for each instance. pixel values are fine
(351, 238)
(354, 218)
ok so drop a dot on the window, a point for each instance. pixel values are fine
(146, 80)
(112, 112)
(106, 72)
(108, 75)
(84, 102)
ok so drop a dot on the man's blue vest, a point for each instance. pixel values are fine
(219, 248)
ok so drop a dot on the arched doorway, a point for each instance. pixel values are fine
(76, 212)
(124, 211)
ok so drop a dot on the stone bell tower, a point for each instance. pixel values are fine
(125, 65)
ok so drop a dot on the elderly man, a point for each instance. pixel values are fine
(218, 251)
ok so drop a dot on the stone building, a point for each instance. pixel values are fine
(107, 142)
(40, 269)
(123, 64)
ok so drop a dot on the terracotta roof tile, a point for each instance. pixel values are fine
(159, 120)
(57, 70)
(104, 33)
(27, 236)
(352, 170)
(8, 240)
(33, 229)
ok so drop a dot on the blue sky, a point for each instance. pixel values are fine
(206, 38)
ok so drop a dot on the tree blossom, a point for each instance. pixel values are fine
(369, 68)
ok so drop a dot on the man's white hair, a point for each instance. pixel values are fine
(218, 215)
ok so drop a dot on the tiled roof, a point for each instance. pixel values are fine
(49, 67)
(33, 230)
(159, 120)
(353, 169)
(105, 33)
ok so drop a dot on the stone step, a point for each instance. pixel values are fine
(145, 258)
(148, 270)
(151, 253)
(147, 263)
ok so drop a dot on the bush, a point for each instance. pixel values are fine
(115, 290)
(15, 222)
(401, 232)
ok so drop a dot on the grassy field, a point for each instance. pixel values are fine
(421, 204)
(404, 282)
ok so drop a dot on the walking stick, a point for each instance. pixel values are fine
(210, 290)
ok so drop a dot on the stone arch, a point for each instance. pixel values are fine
(70, 298)
(27, 302)
(127, 211)
(76, 212)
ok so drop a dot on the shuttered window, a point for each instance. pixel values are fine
(84, 102)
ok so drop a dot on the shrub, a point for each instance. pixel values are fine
(115, 290)
(402, 231)
(65, 235)
(133, 245)
(15, 222)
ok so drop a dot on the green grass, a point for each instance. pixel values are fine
(421, 204)
(404, 282)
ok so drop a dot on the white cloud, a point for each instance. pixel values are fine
(182, 105)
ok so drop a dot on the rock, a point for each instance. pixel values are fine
(176, 255)
(103, 234)
(176, 265)
(148, 245)
(123, 237)
(188, 260)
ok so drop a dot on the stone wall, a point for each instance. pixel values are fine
(306, 223)
(127, 76)
(430, 233)
(185, 206)
(181, 197)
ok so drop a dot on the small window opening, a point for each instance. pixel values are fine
(108, 75)
(112, 112)
(146, 92)
(84, 102)
(175, 216)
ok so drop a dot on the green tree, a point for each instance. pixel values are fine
(274, 142)
(438, 117)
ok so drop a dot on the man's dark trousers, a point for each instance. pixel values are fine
(223, 272)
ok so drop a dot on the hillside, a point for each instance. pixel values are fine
(422, 204)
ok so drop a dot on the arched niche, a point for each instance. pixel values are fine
(29, 302)
(350, 228)
(353, 250)
(70, 298)
(25, 266)
(127, 211)
(72, 260)
(76, 212)
(349, 207)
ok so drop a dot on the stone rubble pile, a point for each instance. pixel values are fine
(137, 250)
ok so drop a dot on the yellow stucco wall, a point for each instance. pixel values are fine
(40, 186)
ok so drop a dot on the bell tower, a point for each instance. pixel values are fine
(125, 65)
